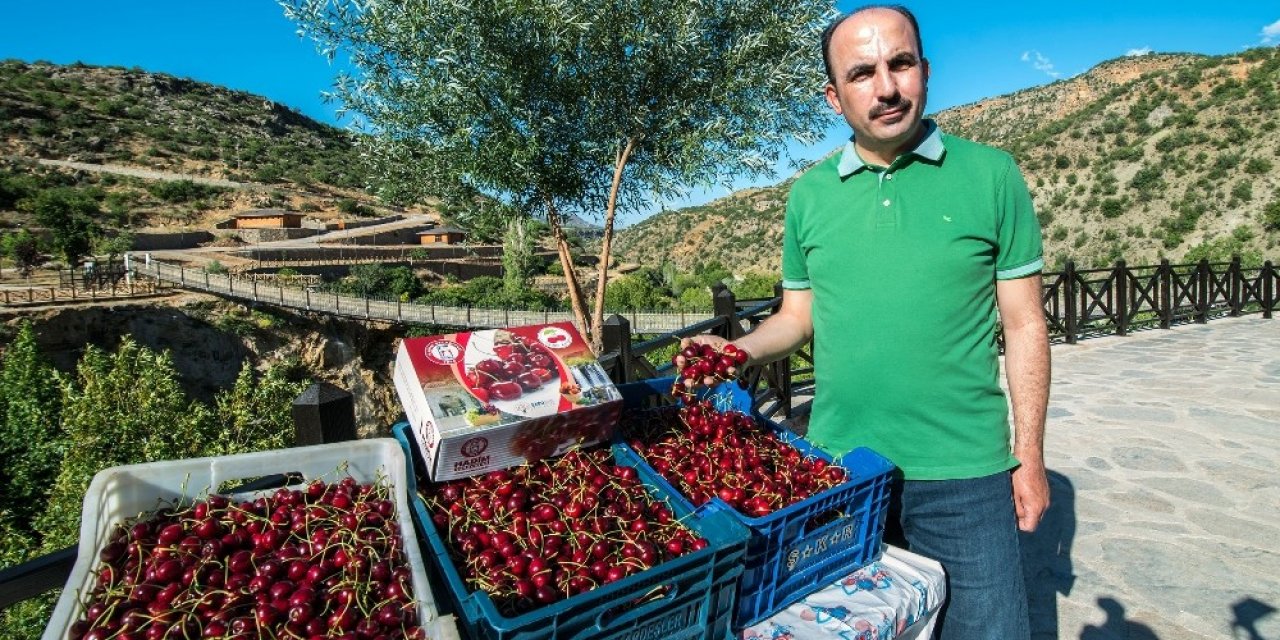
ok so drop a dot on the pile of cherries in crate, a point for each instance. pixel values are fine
(545, 531)
(705, 452)
(324, 561)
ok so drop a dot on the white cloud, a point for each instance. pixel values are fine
(1271, 32)
(1040, 63)
(1138, 52)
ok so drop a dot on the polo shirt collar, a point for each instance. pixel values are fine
(930, 148)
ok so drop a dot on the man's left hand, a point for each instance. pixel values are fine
(1030, 495)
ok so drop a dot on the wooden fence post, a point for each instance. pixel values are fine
(1069, 297)
(1202, 291)
(724, 306)
(1122, 298)
(1233, 291)
(616, 339)
(1268, 289)
(1166, 294)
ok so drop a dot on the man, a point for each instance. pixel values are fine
(897, 254)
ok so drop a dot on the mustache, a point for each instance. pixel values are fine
(901, 104)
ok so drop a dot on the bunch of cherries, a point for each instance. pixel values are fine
(701, 365)
(521, 366)
(325, 561)
(542, 532)
(705, 451)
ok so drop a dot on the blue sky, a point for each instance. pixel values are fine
(977, 50)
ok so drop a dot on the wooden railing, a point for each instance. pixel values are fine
(1081, 303)
(61, 294)
(391, 311)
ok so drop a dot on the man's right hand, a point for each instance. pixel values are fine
(715, 341)
(707, 360)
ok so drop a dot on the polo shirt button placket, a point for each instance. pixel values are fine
(888, 217)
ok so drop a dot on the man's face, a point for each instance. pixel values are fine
(880, 78)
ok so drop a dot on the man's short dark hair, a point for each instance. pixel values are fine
(831, 29)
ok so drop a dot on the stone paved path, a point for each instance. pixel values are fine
(1164, 455)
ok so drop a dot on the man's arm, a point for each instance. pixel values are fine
(778, 336)
(1026, 363)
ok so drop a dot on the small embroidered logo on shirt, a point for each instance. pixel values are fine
(946, 218)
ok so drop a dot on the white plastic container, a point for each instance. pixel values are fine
(122, 492)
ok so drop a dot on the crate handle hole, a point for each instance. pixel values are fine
(260, 483)
(633, 608)
(822, 519)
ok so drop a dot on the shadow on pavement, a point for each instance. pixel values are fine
(1116, 627)
(1046, 558)
(1247, 613)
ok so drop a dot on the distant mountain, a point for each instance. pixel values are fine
(1141, 157)
(112, 115)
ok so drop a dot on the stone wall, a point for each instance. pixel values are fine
(147, 241)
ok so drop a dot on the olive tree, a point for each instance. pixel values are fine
(549, 107)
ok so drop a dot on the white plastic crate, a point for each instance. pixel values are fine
(118, 493)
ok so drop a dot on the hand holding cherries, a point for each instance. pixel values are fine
(705, 365)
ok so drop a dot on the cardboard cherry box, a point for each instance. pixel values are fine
(480, 401)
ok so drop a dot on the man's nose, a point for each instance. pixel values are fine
(886, 87)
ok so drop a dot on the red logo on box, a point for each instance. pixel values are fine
(474, 447)
(443, 351)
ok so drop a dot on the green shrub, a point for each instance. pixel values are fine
(347, 206)
(1257, 166)
(1112, 207)
(1147, 179)
(1271, 216)
(1242, 191)
(178, 191)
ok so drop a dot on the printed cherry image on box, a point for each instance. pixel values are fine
(485, 400)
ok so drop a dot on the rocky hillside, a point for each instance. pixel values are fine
(1141, 157)
(129, 121)
(111, 115)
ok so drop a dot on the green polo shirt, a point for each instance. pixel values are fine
(902, 261)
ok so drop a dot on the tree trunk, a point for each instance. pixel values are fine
(570, 276)
(602, 269)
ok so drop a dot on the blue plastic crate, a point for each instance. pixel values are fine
(788, 557)
(699, 601)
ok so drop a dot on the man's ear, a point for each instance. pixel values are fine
(925, 62)
(833, 98)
